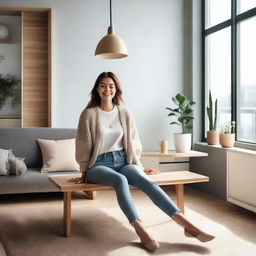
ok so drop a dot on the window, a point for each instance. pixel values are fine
(246, 80)
(229, 56)
(245, 5)
(217, 11)
(218, 71)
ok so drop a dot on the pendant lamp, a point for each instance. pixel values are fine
(111, 46)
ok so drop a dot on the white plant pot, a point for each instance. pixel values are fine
(182, 142)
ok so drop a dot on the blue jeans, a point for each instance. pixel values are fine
(111, 169)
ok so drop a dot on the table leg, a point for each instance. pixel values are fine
(91, 194)
(180, 196)
(67, 214)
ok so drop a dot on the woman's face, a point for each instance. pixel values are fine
(106, 89)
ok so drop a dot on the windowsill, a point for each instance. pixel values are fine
(245, 145)
(239, 144)
(236, 149)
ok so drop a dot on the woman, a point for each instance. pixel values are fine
(108, 152)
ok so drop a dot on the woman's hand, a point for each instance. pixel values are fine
(151, 171)
(78, 180)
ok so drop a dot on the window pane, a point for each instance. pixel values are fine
(217, 11)
(245, 5)
(218, 74)
(10, 64)
(246, 81)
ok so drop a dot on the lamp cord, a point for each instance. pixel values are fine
(110, 2)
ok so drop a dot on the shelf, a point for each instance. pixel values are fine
(174, 154)
(10, 122)
(10, 117)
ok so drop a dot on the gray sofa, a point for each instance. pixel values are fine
(23, 143)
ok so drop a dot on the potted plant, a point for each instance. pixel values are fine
(227, 136)
(212, 134)
(183, 113)
(7, 86)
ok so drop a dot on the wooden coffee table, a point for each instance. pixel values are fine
(178, 178)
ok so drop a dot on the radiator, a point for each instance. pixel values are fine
(241, 178)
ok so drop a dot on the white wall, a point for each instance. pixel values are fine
(154, 32)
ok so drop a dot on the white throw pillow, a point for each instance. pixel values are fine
(4, 154)
(58, 155)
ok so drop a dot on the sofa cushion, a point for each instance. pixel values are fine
(58, 155)
(32, 181)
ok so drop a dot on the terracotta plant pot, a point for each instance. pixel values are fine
(227, 140)
(213, 137)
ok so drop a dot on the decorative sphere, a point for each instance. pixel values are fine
(4, 31)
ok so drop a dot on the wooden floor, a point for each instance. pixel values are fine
(233, 226)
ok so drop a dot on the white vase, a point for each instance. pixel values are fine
(182, 142)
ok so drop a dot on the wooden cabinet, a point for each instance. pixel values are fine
(36, 65)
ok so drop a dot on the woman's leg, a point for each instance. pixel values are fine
(139, 179)
(107, 176)
(190, 230)
(149, 242)
(104, 175)
(184, 222)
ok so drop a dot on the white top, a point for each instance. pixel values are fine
(112, 131)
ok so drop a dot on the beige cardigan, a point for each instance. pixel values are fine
(88, 138)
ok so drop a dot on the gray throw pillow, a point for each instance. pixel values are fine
(16, 166)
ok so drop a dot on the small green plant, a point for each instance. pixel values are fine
(229, 127)
(183, 112)
(212, 113)
(7, 86)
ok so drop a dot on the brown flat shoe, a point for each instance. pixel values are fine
(202, 236)
(152, 245)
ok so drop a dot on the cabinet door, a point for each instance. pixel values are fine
(36, 69)
(242, 179)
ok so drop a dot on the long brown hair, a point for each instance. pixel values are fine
(95, 98)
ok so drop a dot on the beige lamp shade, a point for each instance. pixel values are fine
(111, 46)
